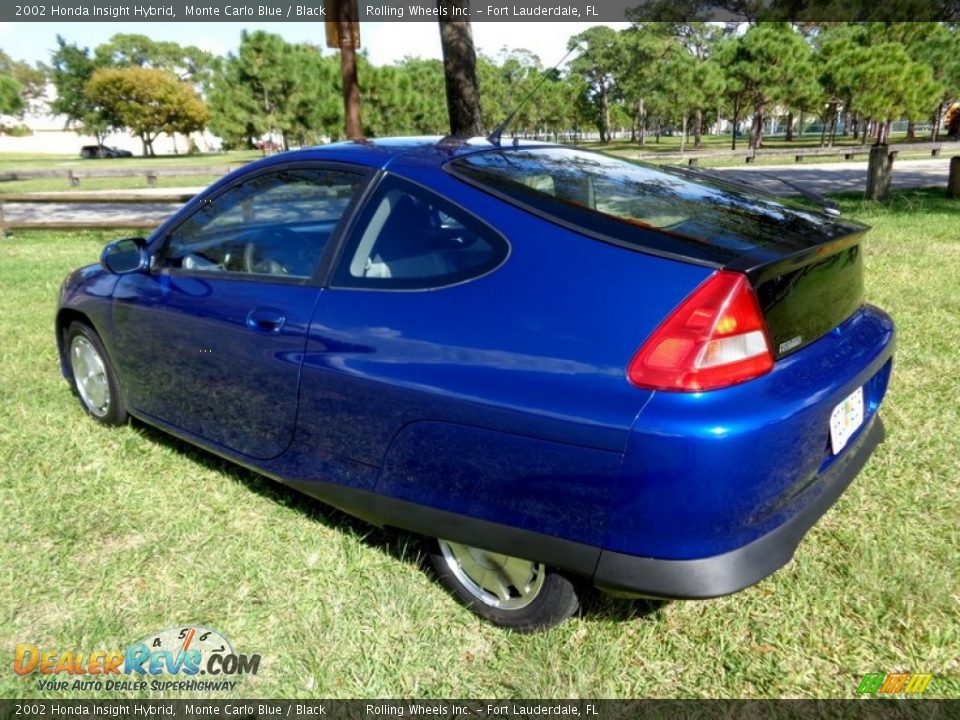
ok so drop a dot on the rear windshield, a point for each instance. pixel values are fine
(635, 204)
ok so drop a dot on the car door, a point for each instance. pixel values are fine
(210, 341)
(403, 288)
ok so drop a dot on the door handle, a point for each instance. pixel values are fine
(265, 320)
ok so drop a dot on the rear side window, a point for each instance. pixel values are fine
(636, 205)
(409, 238)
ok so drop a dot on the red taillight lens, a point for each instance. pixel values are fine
(715, 338)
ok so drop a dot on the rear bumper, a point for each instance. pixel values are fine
(734, 570)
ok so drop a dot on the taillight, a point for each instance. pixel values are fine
(715, 338)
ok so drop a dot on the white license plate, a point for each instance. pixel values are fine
(845, 419)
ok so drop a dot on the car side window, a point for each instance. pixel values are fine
(275, 224)
(410, 238)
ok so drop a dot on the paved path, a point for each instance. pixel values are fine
(850, 176)
(148, 212)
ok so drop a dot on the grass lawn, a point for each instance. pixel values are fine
(23, 162)
(671, 144)
(14, 161)
(106, 535)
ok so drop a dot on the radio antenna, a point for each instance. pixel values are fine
(494, 137)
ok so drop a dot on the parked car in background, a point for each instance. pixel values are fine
(558, 365)
(90, 152)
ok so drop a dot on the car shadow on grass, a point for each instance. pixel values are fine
(399, 544)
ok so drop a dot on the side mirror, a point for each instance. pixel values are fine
(125, 256)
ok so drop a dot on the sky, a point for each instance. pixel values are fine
(385, 42)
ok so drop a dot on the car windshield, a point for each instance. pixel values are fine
(638, 204)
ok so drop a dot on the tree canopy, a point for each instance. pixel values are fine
(147, 101)
(651, 78)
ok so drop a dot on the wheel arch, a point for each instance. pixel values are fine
(66, 316)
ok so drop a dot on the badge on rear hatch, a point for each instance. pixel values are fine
(790, 344)
(845, 419)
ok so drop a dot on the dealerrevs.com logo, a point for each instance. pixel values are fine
(152, 663)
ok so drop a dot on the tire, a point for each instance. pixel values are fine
(92, 376)
(509, 592)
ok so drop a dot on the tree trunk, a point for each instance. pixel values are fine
(733, 130)
(643, 122)
(460, 69)
(698, 129)
(935, 124)
(953, 178)
(683, 135)
(911, 130)
(879, 169)
(604, 116)
(756, 130)
(789, 134)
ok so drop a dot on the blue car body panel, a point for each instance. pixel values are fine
(503, 399)
(194, 351)
(706, 472)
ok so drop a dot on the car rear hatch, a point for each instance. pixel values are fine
(806, 288)
(805, 265)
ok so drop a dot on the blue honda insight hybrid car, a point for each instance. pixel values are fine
(556, 364)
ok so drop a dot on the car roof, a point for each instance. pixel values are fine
(379, 152)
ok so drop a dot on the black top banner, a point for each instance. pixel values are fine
(60, 11)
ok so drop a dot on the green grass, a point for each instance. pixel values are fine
(14, 161)
(671, 143)
(106, 535)
(631, 150)
(23, 162)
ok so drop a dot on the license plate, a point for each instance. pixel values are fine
(845, 419)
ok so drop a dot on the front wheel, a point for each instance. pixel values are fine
(519, 594)
(93, 378)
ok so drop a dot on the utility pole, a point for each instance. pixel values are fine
(343, 33)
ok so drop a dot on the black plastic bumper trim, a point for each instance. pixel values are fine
(578, 558)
